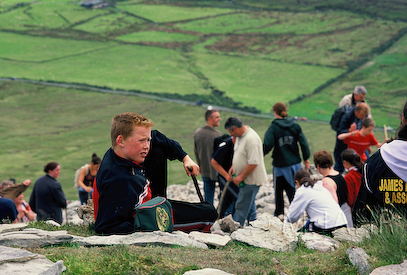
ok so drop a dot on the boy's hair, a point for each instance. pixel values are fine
(368, 122)
(209, 113)
(125, 123)
(323, 159)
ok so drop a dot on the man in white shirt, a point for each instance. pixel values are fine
(248, 168)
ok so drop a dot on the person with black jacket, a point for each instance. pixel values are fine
(284, 135)
(384, 179)
(155, 164)
(47, 197)
(121, 184)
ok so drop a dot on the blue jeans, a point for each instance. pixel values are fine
(209, 189)
(245, 207)
(83, 195)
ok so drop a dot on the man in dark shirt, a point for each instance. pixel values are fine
(350, 121)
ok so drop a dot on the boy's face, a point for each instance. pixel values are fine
(135, 147)
(368, 130)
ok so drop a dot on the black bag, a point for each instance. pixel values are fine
(153, 215)
(336, 117)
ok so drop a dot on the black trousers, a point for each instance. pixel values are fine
(190, 216)
(280, 185)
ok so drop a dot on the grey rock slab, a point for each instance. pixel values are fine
(15, 254)
(319, 242)
(19, 261)
(359, 259)
(142, 239)
(207, 271)
(210, 239)
(32, 237)
(394, 269)
(267, 232)
(355, 234)
(12, 227)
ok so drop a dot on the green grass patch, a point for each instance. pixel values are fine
(39, 124)
(45, 15)
(229, 23)
(384, 81)
(29, 49)
(149, 69)
(166, 13)
(261, 83)
(109, 23)
(157, 36)
(310, 23)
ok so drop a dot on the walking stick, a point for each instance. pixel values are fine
(222, 197)
(385, 131)
(198, 191)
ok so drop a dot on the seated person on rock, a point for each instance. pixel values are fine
(325, 214)
(384, 181)
(8, 211)
(121, 184)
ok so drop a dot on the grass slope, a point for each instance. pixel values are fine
(39, 124)
(179, 49)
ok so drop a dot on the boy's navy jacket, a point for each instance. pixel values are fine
(155, 164)
(121, 186)
(285, 133)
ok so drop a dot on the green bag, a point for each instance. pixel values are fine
(153, 215)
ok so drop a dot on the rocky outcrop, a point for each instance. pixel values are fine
(15, 261)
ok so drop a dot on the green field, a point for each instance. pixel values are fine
(246, 55)
(39, 124)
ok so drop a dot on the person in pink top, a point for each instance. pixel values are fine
(360, 140)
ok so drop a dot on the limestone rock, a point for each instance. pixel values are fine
(207, 271)
(85, 212)
(354, 234)
(53, 223)
(358, 258)
(210, 239)
(15, 261)
(32, 237)
(394, 269)
(12, 227)
(267, 232)
(319, 242)
(142, 239)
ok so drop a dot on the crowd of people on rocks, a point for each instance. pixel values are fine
(134, 170)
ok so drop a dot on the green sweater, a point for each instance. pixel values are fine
(283, 135)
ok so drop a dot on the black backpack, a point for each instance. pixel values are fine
(336, 117)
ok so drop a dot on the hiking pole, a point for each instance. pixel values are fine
(198, 191)
(222, 197)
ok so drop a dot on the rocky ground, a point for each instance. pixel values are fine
(268, 232)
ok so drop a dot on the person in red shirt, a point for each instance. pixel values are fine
(352, 163)
(360, 140)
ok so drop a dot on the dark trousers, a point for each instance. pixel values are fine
(190, 216)
(280, 185)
